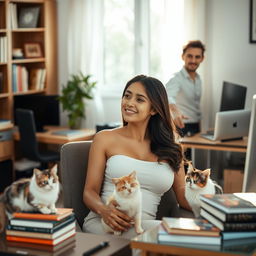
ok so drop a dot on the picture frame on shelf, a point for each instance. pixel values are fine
(32, 50)
(28, 17)
(253, 21)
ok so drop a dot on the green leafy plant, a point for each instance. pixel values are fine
(72, 98)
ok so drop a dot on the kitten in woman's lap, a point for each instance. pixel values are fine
(127, 197)
(198, 182)
(36, 194)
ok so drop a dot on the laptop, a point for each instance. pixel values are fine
(230, 125)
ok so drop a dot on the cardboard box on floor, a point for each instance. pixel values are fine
(233, 180)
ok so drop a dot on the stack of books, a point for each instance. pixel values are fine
(38, 228)
(234, 214)
(41, 249)
(188, 230)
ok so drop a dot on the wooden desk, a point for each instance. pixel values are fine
(198, 142)
(49, 138)
(71, 247)
(148, 243)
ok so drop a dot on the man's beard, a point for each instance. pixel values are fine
(193, 68)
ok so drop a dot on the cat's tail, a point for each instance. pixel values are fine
(2, 216)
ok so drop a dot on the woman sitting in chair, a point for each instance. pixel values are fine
(145, 143)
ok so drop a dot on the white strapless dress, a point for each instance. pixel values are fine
(155, 179)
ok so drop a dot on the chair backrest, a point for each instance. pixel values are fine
(73, 168)
(27, 131)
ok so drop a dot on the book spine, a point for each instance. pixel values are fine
(29, 240)
(239, 226)
(42, 230)
(247, 217)
(30, 229)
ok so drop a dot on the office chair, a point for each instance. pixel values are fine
(73, 166)
(28, 141)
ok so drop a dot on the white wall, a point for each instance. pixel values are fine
(229, 54)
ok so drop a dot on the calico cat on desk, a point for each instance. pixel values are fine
(36, 194)
(127, 197)
(198, 182)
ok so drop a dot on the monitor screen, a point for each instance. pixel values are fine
(45, 107)
(233, 96)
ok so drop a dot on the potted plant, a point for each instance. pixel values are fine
(78, 88)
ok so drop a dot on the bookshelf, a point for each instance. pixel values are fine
(14, 36)
(44, 35)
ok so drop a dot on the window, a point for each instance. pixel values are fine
(141, 37)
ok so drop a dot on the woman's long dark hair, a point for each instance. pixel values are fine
(160, 128)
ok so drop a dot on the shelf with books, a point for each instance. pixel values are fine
(23, 33)
(34, 60)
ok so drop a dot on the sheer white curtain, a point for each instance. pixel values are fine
(85, 47)
(194, 29)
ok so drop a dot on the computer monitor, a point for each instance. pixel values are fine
(249, 182)
(45, 107)
(233, 96)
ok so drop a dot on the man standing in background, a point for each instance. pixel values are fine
(184, 90)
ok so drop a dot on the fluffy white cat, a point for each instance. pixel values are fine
(198, 182)
(127, 195)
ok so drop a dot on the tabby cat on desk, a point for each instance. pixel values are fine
(127, 198)
(36, 194)
(198, 182)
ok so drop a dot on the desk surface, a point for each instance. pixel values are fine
(74, 246)
(197, 141)
(49, 138)
(147, 242)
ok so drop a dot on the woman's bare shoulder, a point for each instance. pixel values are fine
(108, 135)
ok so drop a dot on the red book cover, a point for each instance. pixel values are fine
(61, 213)
(41, 241)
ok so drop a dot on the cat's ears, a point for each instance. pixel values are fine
(54, 169)
(207, 172)
(190, 166)
(37, 171)
(132, 174)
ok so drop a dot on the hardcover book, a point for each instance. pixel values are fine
(38, 223)
(229, 235)
(61, 225)
(229, 217)
(166, 238)
(228, 226)
(42, 241)
(38, 249)
(61, 214)
(232, 203)
(189, 226)
(42, 250)
(54, 235)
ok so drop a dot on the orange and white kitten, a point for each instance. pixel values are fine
(127, 197)
(36, 194)
(198, 182)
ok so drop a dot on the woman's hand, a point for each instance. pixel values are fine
(115, 218)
